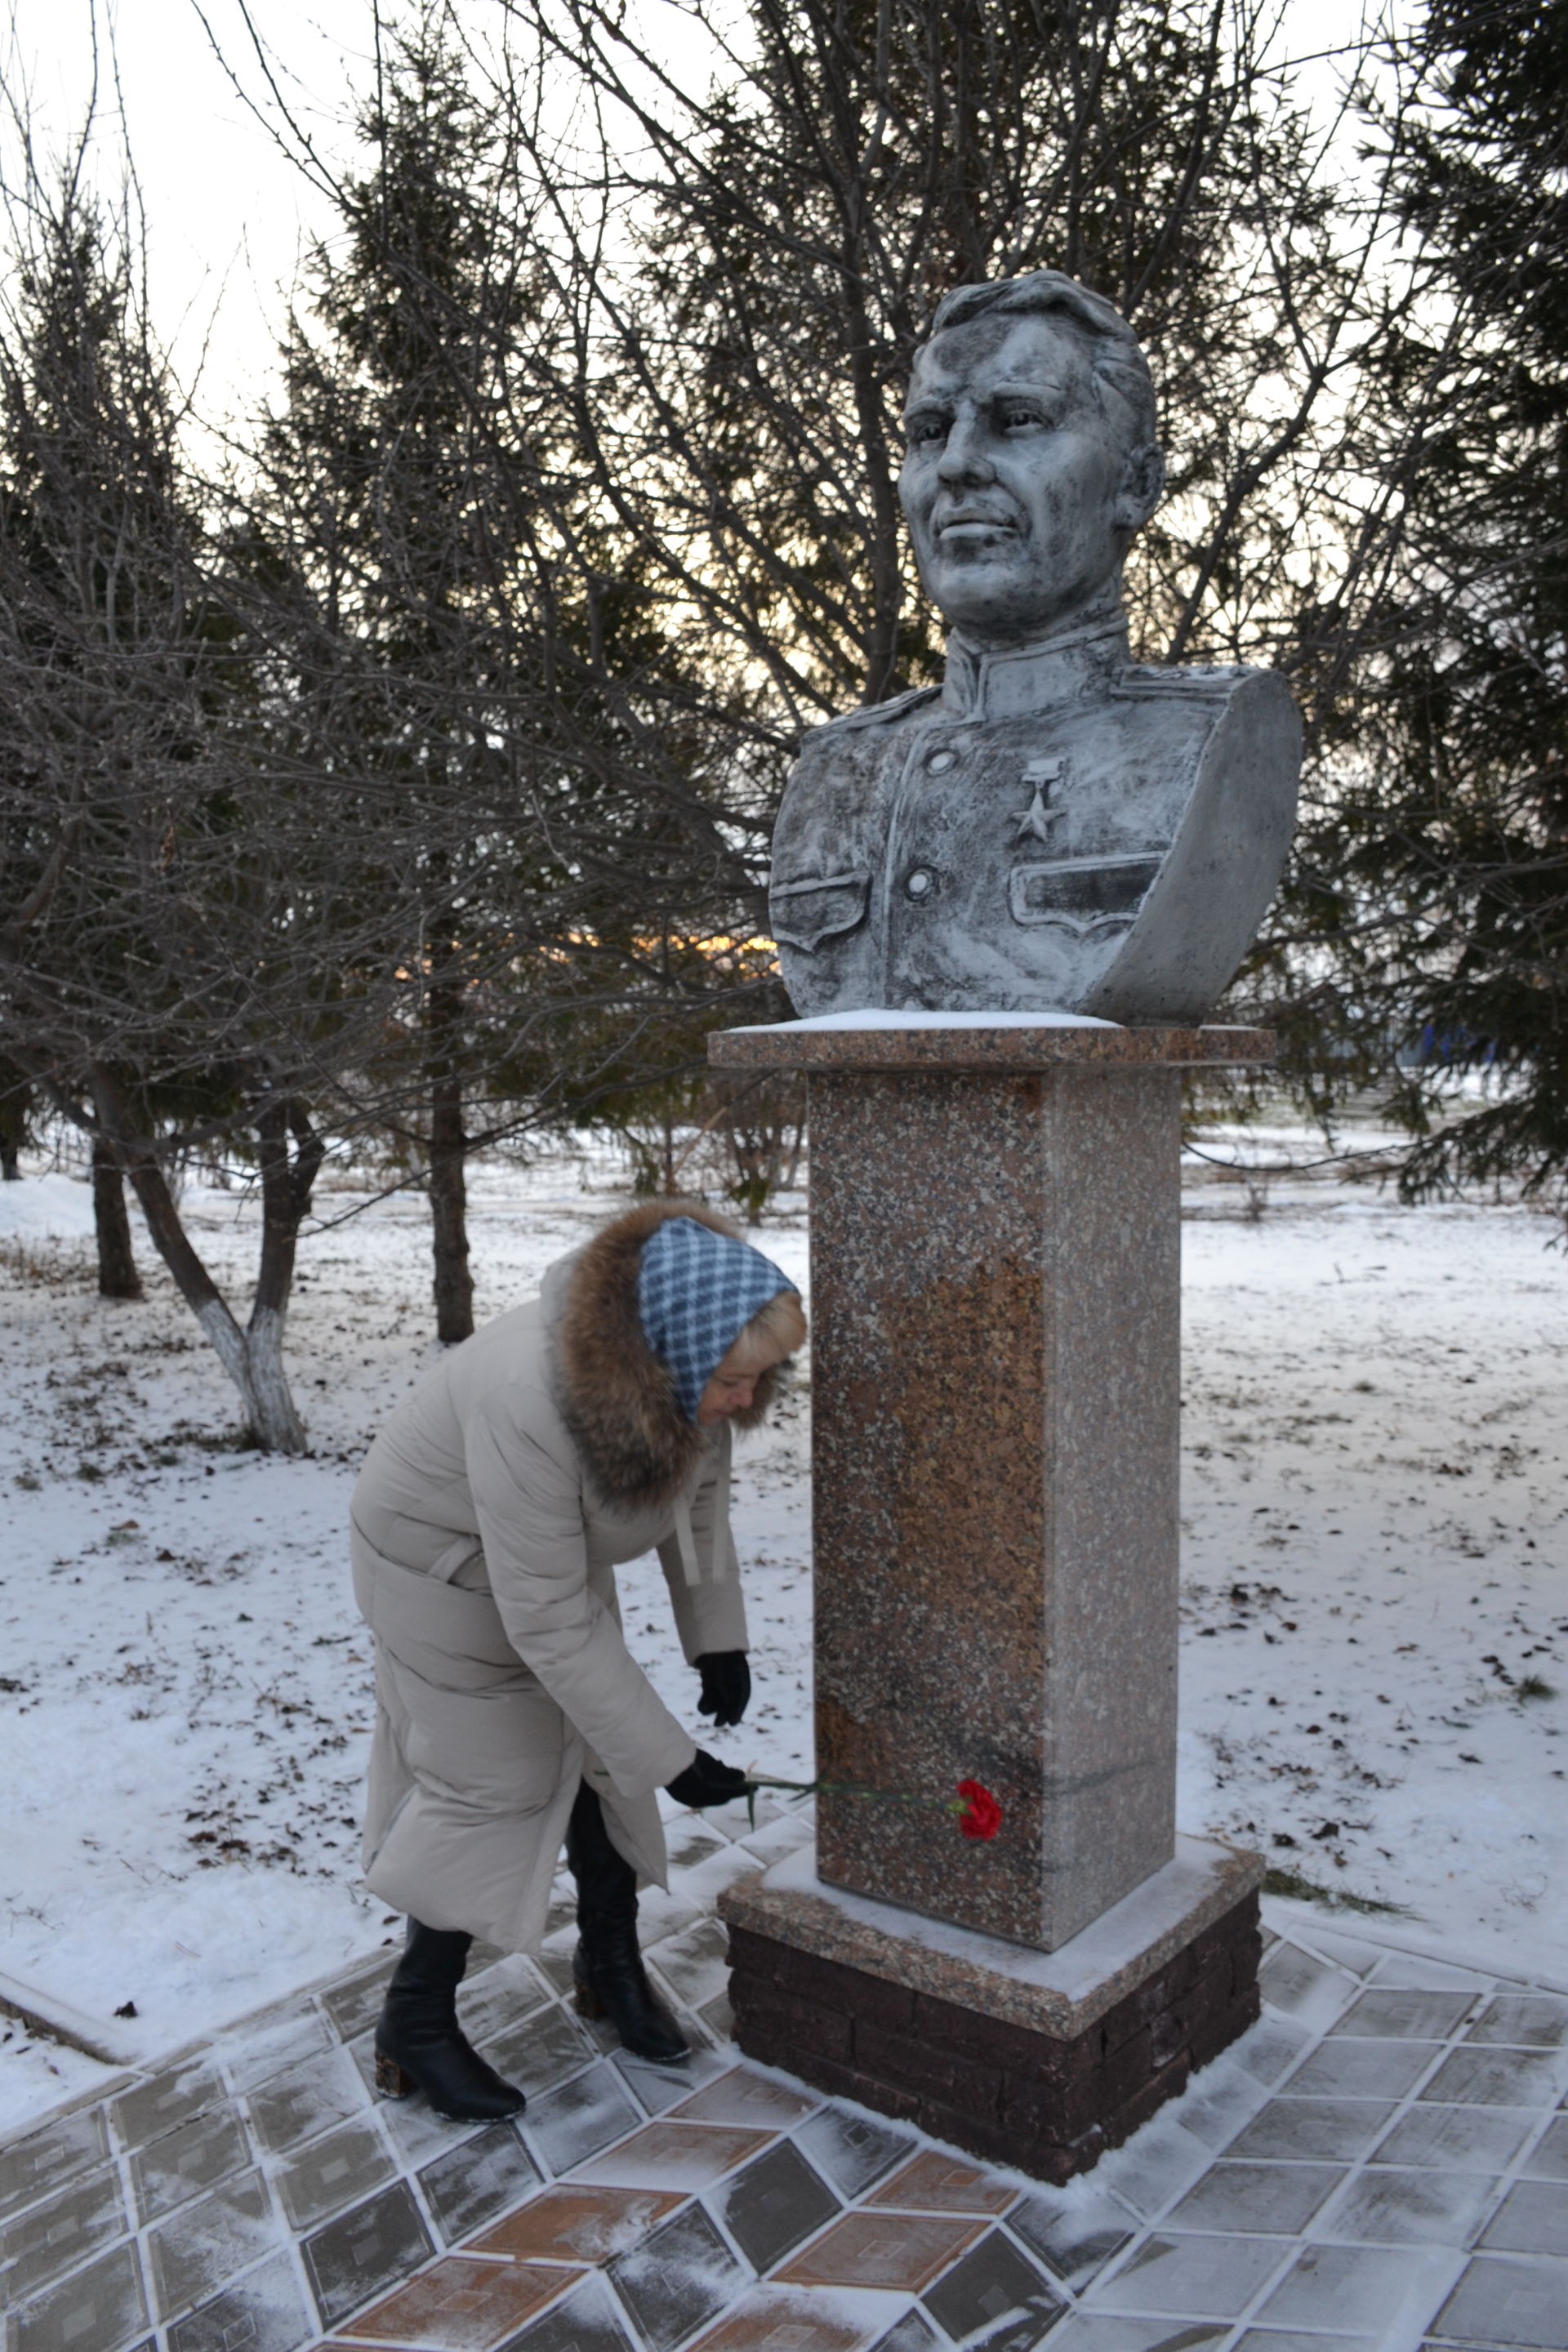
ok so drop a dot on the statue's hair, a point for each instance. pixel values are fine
(1115, 353)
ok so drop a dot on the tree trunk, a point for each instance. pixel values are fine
(252, 1358)
(454, 1285)
(117, 1275)
(14, 1097)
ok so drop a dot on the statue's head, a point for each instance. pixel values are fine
(1031, 458)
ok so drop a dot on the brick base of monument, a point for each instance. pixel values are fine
(1049, 2102)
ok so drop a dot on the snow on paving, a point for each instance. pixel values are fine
(1374, 1599)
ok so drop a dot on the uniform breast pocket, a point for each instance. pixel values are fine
(1083, 893)
(821, 906)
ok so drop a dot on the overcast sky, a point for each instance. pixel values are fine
(228, 214)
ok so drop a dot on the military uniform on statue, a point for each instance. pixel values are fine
(1018, 835)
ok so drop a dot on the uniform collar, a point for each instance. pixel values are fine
(1024, 678)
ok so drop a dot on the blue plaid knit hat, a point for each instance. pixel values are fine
(697, 1291)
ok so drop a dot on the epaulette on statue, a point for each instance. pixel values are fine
(874, 714)
(1144, 682)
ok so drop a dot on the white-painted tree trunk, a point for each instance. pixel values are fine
(251, 1355)
(254, 1362)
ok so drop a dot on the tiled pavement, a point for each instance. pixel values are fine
(1382, 2162)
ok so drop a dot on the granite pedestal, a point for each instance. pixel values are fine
(995, 1370)
(1037, 2060)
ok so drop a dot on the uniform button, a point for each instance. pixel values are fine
(940, 763)
(921, 883)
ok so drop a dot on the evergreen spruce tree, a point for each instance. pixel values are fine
(380, 540)
(474, 666)
(156, 987)
(1437, 877)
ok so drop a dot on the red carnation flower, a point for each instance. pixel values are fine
(981, 1815)
(978, 1812)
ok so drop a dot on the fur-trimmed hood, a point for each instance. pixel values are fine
(616, 1397)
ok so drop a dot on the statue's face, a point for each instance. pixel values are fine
(1021, 498)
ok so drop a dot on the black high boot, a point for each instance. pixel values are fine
(419, 2045)
(608, 1967)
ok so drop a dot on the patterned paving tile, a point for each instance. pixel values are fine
(718, 2016)
(46, 2160)
(102, 2305)
(1390, 2207)
(850, 2148)
(1224, 2097)
(1099, 2332)
(539, 2052)
(1508, 2300)
(656, 2089)
(1548, 2159)
(1419, 2016)
(568, 2126)
(1477, 2076)
(1270, 2049)
(1264, 2199)
(997, 2288)
(1075, 2236)
(1203, 2277)
(332, 2172)
(281, 2037)
(682, 2276)
(355, 2002)
(1155, 2166)
(53, 2237)
(417, 2134)
(696, 1962)
(774, 2205)
(1323, 2178)
(503, 1999)
(771, 2320)
(365, 2251)
(678, 2155)
(1456, 2140)
(588, 2320)
(1313, 2129)
(205, 2245)
(305, 2100)
(1363, 2070)
(933, 2183)
(476, 2181)
(741, 2096)
(913, 2333)
(1532, 2219)
(460, 2305)
(1387, 2207)
(265, 2311)
(1296, 2339)
(578, 2224)
(1360, 2289)
(908, 2250)
(169, 2171)
(168, 2099)
(1526, 2020)
(1300, 1984)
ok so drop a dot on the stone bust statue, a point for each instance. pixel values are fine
(1054, 827)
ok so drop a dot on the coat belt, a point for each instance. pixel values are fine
(447, 1635)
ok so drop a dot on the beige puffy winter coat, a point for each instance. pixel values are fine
(487, 1523)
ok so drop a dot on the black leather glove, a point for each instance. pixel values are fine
(707, 1780)
(726, 1687)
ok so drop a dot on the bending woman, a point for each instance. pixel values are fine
(582, 1428)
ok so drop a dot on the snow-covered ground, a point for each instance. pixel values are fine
(1376, 1571)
